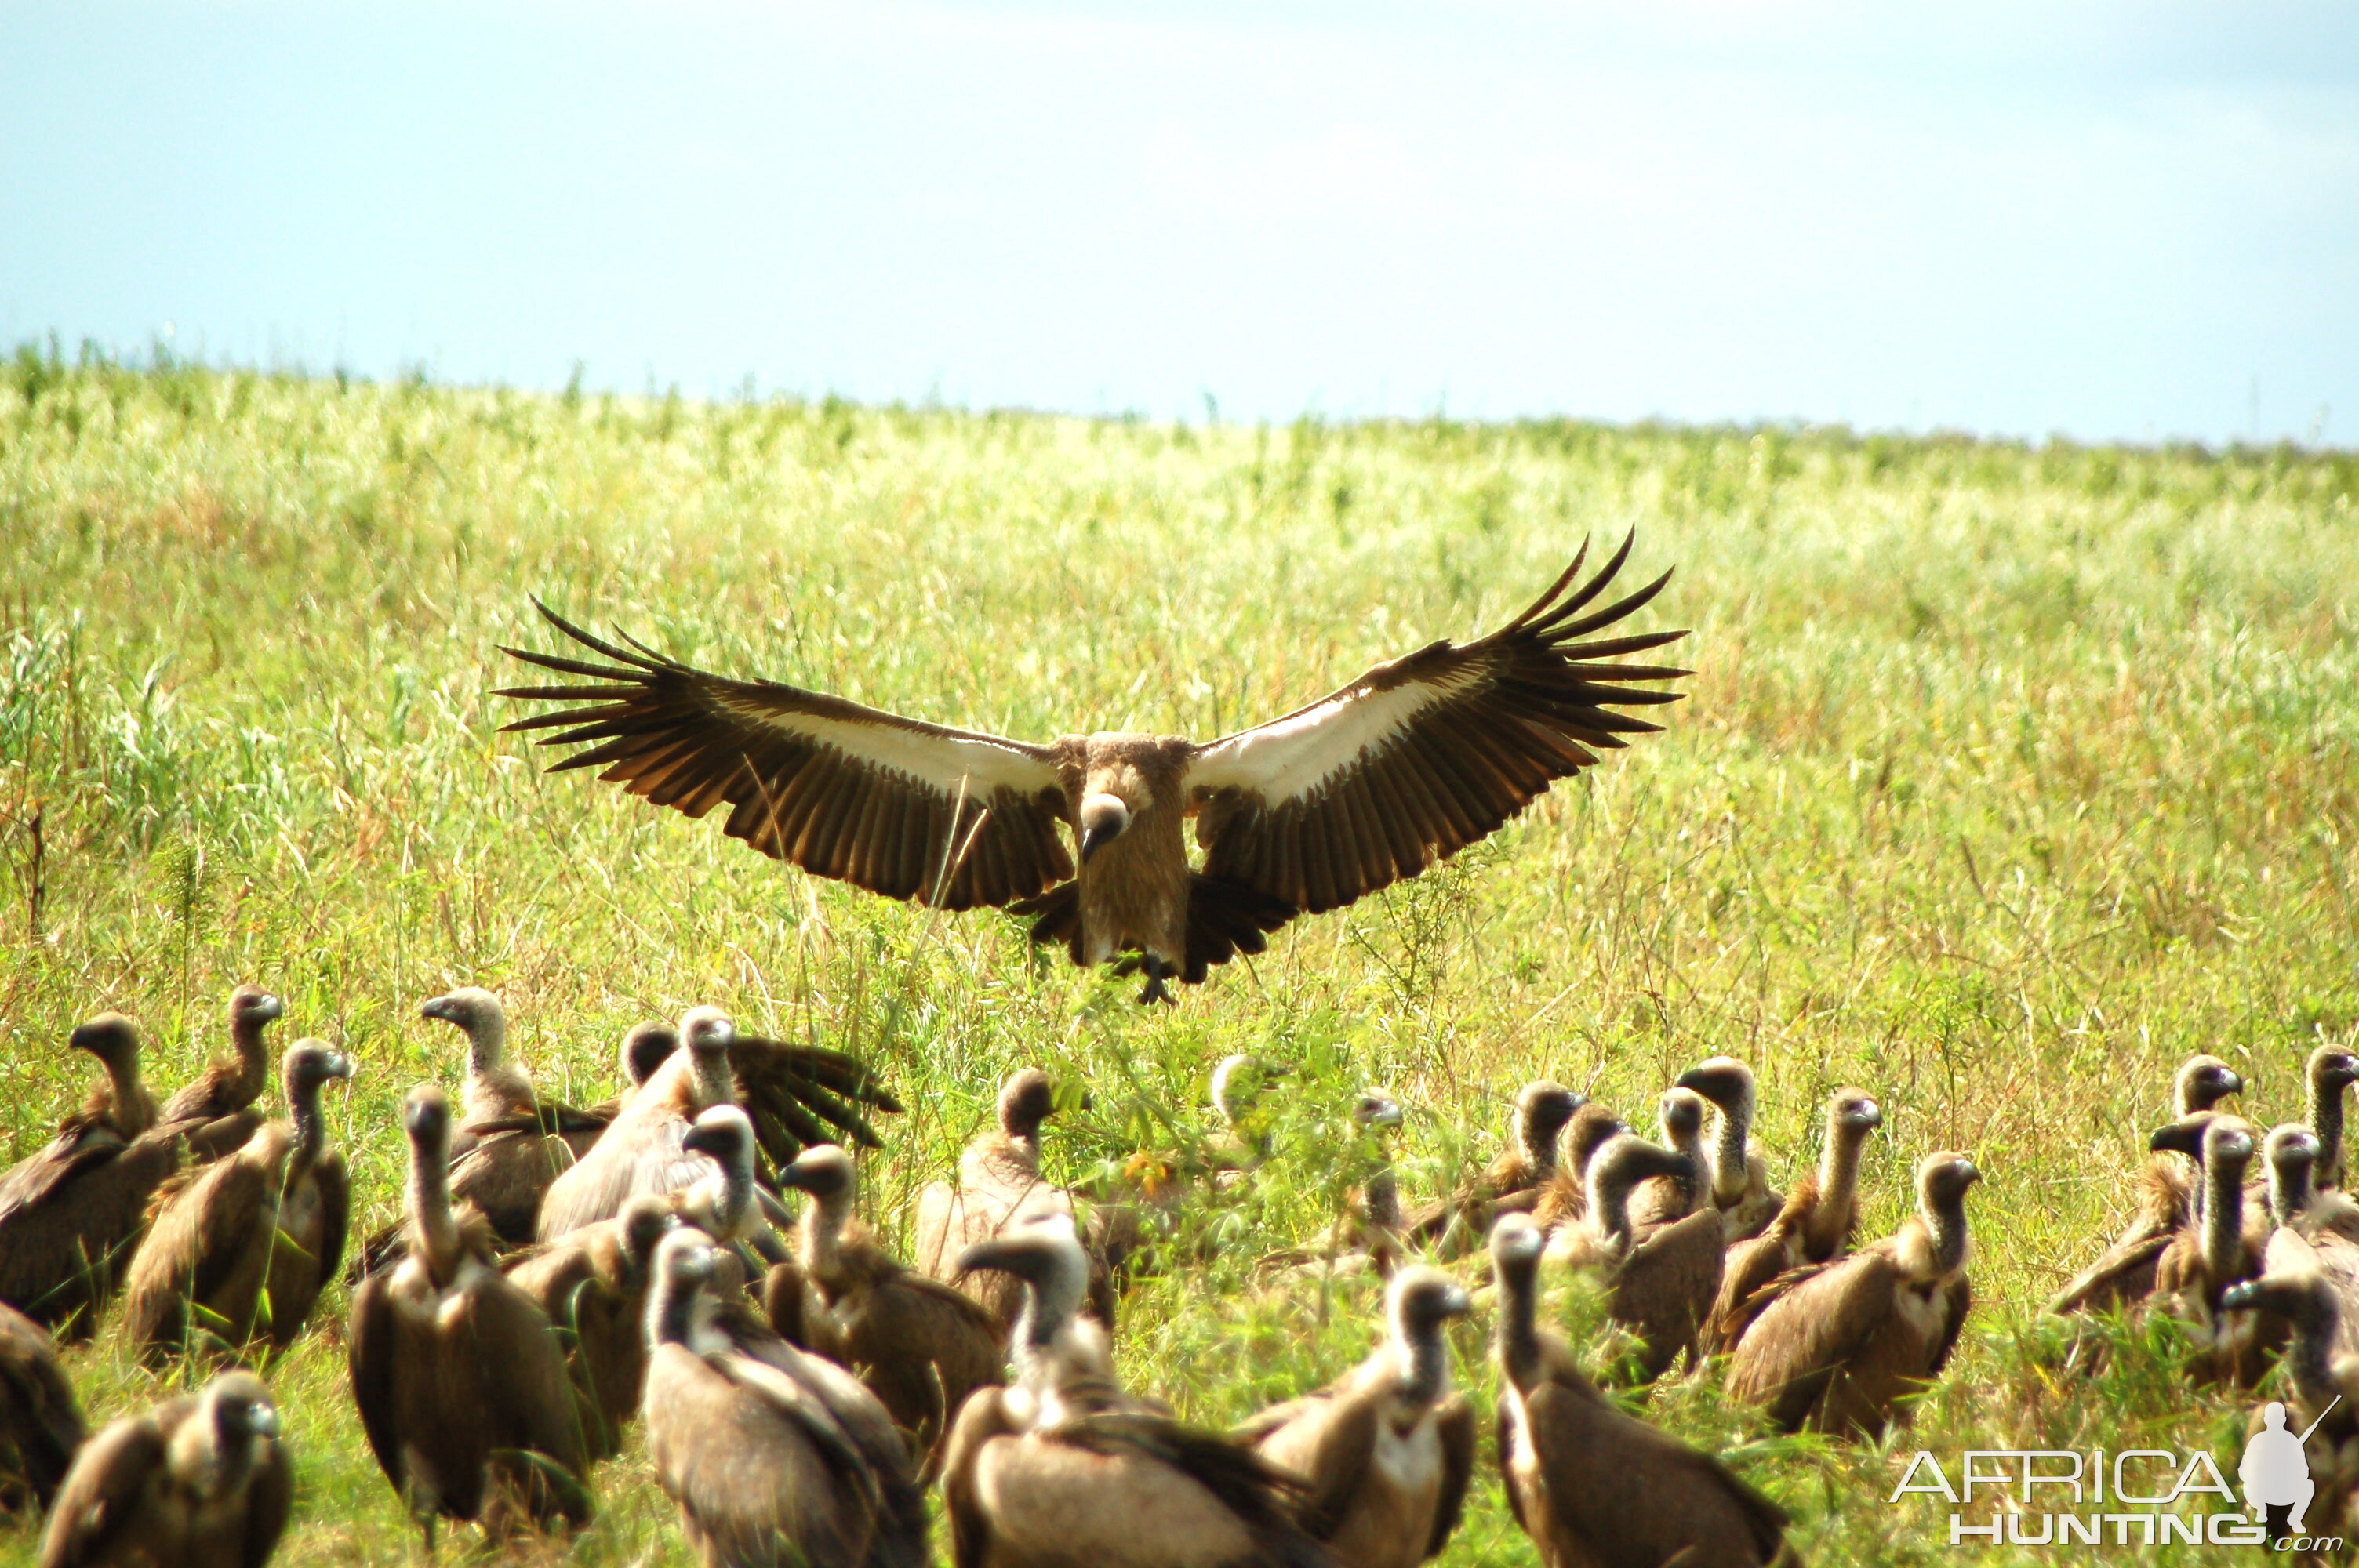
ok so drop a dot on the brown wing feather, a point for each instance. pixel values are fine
(103, 1492)
(269, 1498)
(43, 1423)
(1455, 1421)
(1423, 756)
(840, 789)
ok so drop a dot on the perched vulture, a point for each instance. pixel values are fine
(460, 1379)
(1588, 1483)
(592, 1283)
(240, 1249)
(2324, 1375)
(919, 1345)
(1000, 1185)
(1065, 1469)
(1817, 1224)
(40, 1423)
(1659, 1287)
(2123, 1277)
(1838, 1344)
(215, 1115)
(1513, 1182)
(1739, 1178)
(2315, 1232)
(70, 1213)
(1385, 1452)
(2219, 1245)
(198, 1482)
(642, 1151)
(776, 1459)
(1566, 1198)
(2331, 1070)
(1665, 1200)
(1409, 763)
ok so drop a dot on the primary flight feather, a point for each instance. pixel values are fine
(1407, 765)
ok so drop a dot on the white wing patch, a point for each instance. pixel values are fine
(1295, 757)
(937, 762)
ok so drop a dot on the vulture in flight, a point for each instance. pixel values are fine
(1407, 765)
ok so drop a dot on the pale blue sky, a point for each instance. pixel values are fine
(2124, 221)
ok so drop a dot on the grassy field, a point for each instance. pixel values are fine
(2009, 776)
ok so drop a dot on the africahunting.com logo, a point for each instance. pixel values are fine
(2133, 1496)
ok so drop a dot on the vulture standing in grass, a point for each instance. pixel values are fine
(920, 1345)
(2331, 1070)
(460, 1379)
(999, 1184)
(592, 1283)
(1417, 759)
(2325, 1378)
(1840, 1345)
(642, 1151)
(2219, 1245)
(1740, 1177)
(201, 1481)
(215, 1115)
(1817, 1226)
(776, 1459)
(40, 1423)
(2123, 1277)
(1660, 1288)
(1385, 1452)
(2315, 1232)
(1665, 1200)
(1566, 1198)
(240, 1249)
(1593, 1486)
(1065, 1470)
(1366, 1237)
(1513, 1182)
(68, 1214)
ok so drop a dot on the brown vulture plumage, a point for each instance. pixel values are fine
(1660, 1286)
(592, 1283)
(215, 1115)
(2324, 1375)
(1740, 1177)
(1817, 1224)
(41, 1423)
(1411, 763)
(198, 1482)
(1512, 1183)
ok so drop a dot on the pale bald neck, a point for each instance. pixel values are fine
(1732, 1170)
(429, 1212)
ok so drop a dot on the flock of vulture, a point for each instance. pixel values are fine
(564, 1272)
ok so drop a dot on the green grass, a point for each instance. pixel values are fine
(2009, 776)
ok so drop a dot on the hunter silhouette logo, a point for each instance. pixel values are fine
(2276, 1472)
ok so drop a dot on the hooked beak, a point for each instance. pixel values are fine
(1096, 837)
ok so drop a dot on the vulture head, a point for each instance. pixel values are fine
(1943, 1181)
(2203, 1082)
(1103, 816)
(1725, 1081)
(823, 1170)
(426, 1117)
(707, 1031)
(2292, 1152)
(1043, 1252)
(1854, 1111)
(1373, 1109)
(646, 1047)
(723, 1134)
(645, 1221)
(1592, 1127)
(1542, 1108)
(2184, 1136)
(1026, 1100)
(111, 1037)
(309, 1063)
(475, 1012)
(2227, 1148)
(1620, 1166)
(214, 1453)
(1681, 1113)
(2332, 1069)
(1517, 1242)
(684, 1264)
(1421, 1301)
(251, 1007)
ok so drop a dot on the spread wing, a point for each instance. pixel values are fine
(843, 791)
(1422, 756)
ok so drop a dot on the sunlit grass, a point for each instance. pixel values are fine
(2009, 776)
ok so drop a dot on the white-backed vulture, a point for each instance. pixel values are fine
(2331, 1070)
(2123, 1275)
(2217, 1246)
(1838, 1346)
(1064, 1470)
(1385, 1451)
(2324, 1375)
(2315, 1232)
(1817, 1224)
(920, 1345)
(1740, 1177)
(70, 1213)
(1593, 1486)
(641, 1152)
(239, 1249)
(592, 1283)
(460, 1379)
(775, 1458)
(1409, 763)
(198, 1482)
(1512, 1183)
(999, 1184)
(215, 1115)
(40, 1423)
(1366, 1237)
(1660, 1288)
(1664, 1200)
(1565, 1198)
